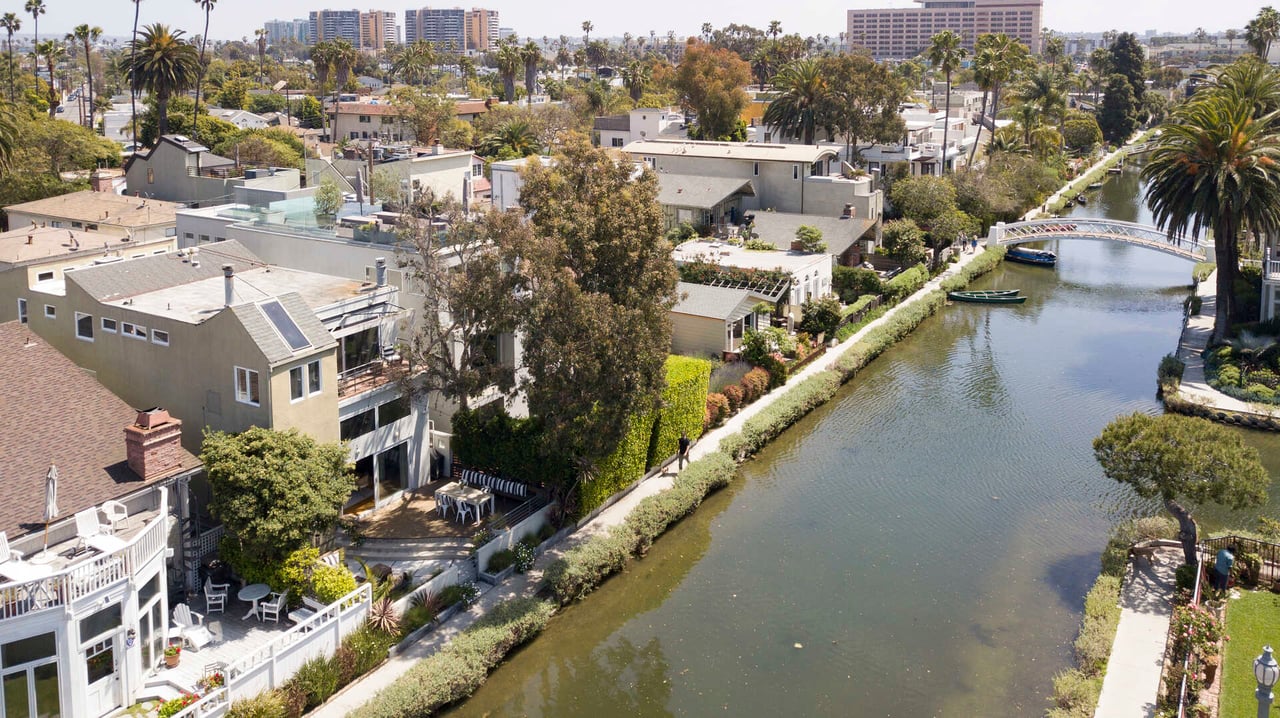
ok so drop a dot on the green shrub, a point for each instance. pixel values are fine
(860, 304)
(583, 567)
(847, 330)
(1098, 629)
(902, 323)
(500, 560)
(782, 413)
(465, 593)
(368, 647)
(1265, 377)
(1171, 367)
(1247, 569)
(1115, 557)
(329, 583)
(851, 282)
(623, 466)
(344, 661)
(268, 704)
(316, 680)
(1184, 577)
(1261, 391)
(1075, 695)
(497, 443)
(758, 245)
(458, 669)
(820, 316)
(905, 284)
(683, 406)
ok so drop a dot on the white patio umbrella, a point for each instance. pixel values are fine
(50, 502)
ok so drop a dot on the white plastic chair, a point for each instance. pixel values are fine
(464, 512)
(189, 625)
(215, 596)
(271, 609)
(92, 533)
(115, 512)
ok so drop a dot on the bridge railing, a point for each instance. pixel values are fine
(1094, 228)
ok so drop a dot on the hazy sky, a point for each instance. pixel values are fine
(237, 18)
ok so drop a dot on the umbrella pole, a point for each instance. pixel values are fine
(46, 537)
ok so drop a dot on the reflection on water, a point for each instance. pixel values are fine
(919, 546)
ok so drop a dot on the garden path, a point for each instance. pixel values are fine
(1132, 683)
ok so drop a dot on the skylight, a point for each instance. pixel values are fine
(284, 324)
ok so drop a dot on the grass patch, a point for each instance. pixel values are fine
(1202, 270)
(1251, 623)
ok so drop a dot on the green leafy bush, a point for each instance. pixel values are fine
(624, 465)
(902, 323)
(330, 583)
(268, 704)
(782, 413)
(500, 560)
(851, 282)
(810, 239)
(758, 245)
(906, 283)
(1098, 629)
(316, 680)
(1115, 557)
(820, 316)
(368, 647)
(1202, 270)
(847, 330)
(497, 443)
(1247, 569)
(585, 566)
(1075, 695)
(457, 670)
(683, 406)
(859, 305)
(526, 554)
(465, 593)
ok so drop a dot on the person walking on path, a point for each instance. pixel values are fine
(683, 455)
(1222, 567)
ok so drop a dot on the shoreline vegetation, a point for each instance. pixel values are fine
(434, 682)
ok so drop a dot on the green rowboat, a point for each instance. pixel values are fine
(988, 296)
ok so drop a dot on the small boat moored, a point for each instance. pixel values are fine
(1026, 255)
(1096, 185)
(990, 296)
(1082, 200)
(1115, 170)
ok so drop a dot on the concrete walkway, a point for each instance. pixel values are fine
(1132, 682)
(349, 700)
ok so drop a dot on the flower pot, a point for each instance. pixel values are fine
(1210, 670)
(172, 661)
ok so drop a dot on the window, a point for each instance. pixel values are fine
(84, 326)
(295, 383)
(108, 325)
(357, 425)
(616, 142)
(795, 172)
(77, 225)
(652, 162)
(160, 337)
(359, 350)
(247, 386)
(151, 176)
(91, 227)
(364, 119)
(22, 311)
(133, 330)
(171, 232)
(755, 169)
(313, 377)
(204, 238)
(100, 622)
(50, 311)
(393, 411)
(477, 170)
(44, 276)
(188, 236)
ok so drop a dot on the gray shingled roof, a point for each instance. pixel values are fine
(268, 339)
(612, 123)
(679, 190)
(109, 282)
(779, 229)
(701, 300)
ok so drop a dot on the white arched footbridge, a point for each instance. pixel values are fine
(1142, 235)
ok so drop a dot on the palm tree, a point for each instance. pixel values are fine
(775, 29)
(946, 53)
(36, 8)
(762, 61)
(635, 77)
(8, 135)
(1011, 58)
(260, 35)
(1214, 167)
(587, 27)
(163, 63)
(322, 60)
(344, 58)
(984, 62)
(1259, 33)
(511, 139)
(706, 31)
(11, 23)
(796, 109)
(53, 52)
(207, 7)
(1231, 34)
(509, 61)
(133, 88)
(1045, 88)
(413, 62)
(87, 35)
(530, 56)
(1007, 143)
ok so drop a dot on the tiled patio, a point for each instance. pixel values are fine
(417, 517)
(234, 637)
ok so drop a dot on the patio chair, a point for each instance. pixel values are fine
(12, 566)
(189, 626)
(271, 609)
(116, 513)
(92, 533)
(215, 596)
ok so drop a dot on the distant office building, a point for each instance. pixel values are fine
(506, 32)
(482, 29)
(378, 29)
(330, 25)
(285, 30)
(905, 32)
(474, 29)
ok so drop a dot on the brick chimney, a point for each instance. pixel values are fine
(101, 181)
(154, 444)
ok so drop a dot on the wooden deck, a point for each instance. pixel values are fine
(417, 516)
(234, 637)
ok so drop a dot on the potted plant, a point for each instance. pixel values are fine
(172, 654)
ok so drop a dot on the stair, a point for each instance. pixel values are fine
(440, 549)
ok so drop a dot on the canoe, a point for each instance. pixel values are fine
(1096, 185)
(1038, 257)
(987, 297)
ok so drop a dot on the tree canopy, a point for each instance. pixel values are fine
(709, 81)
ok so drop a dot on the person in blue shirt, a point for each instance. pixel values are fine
(1222, 567)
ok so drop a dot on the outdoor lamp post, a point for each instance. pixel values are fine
(1266, 670)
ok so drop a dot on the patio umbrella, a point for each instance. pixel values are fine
(50, 501)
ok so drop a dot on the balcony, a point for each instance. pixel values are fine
(371, 376)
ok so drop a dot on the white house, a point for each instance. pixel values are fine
(243, 119)
(506, 181)
(808, 274)
(639, 124)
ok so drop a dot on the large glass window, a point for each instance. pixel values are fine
(100, 622)
(360, 349)
(313, 377)
(295, 383)
(30, 688)
(27, 650)
(357, 425)
(16, 703)
(393, 467)
(393, 411)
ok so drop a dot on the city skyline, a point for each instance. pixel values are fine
(236, 19)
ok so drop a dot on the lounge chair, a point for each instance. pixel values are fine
(189, 626)
(93, 533)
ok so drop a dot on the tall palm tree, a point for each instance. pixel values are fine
(946, 52)
(413, 62)
(984, 61)
(8, 134)
(509, 61)
(133, 88)
(797, 107)
(344, 58)
(530, 56)
(706, 31)
(11, 23)
(207, 7)
(1047, 89)
(87, 35)
(775, 29)
(1231, 34)
(260, 36)
(36, 8)
(1011, 59)
(635, 77)
(322, 62)
(1259, 33)
(53, 52)
(1215, 166)
(164, 64)
(762, 62)
(587, 27)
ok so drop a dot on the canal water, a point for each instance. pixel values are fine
(920, 546)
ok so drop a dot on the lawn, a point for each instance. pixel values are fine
(1253, 620)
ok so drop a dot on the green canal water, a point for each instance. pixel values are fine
(920, 546)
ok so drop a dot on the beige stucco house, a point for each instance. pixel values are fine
(179, 169)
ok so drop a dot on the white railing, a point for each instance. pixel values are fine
(1093, 228)
(278, 660)
(78, 580)
(1272, 265)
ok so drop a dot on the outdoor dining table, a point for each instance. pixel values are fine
(253, 593)
(458, 497)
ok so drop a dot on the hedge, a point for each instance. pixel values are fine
(625, 464)
(904, 320)
(906, 283)
(862, 303)
(782, 413)
(505, 446)
(457, 670)
(849, 282)
(683, 406)
(976, 267)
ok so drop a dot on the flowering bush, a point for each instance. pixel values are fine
(174, 706)
(1197, 629)
(211, 682)
(524, 556)
(173, 649)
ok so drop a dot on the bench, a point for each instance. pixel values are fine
(310, 607)
(505, 487)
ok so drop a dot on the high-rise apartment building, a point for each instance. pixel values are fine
(285, 30)
(897, 33)
(330, 25)
(475, 29)
(378, 30)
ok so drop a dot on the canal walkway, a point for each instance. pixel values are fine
(350, 699)
(1132, 683)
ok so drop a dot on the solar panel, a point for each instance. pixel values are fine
(284, 324)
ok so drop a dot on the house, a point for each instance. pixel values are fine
(102, 216)
(921, 147)
(638, 124)
(215, 333)
(803, 179)
(442, 172)
(506, 179)
(701, 200)
(807, 275)
(712, 320)
(179, 169)
(378, 119)
(842, 234)
(243, 119)
(84, 627)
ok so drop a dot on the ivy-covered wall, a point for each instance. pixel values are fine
(683, 405)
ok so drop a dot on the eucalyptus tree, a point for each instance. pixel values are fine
(946, 52)
(11, 24)
(87, 35)
(207, 7)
